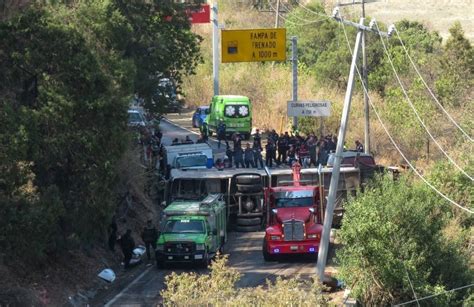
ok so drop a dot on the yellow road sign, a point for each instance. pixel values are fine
(253, 45)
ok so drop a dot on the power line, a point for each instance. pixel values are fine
(393, 141)
(429, 90)
(313, 12)
(410, 103)
(434, 295)
(306, 22)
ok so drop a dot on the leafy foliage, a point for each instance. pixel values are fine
(219, 289)
(393, 233)
(68, 73)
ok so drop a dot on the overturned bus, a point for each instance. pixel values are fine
(243, 189)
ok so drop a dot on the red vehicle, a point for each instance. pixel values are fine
(294, 219)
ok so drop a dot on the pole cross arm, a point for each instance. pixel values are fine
(361, 27)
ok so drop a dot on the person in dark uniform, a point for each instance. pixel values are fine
(221, 133)
(149, 237)
(112, 234)
(270, 152)
(127, 244)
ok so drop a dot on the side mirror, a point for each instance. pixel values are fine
(275, 211)
(311, 210)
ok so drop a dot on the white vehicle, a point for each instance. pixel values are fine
(189, 156)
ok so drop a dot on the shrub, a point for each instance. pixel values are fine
(218, 288)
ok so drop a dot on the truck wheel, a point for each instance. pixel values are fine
(252, 228)
(249, 221)
(249, 188)
(266, 255)
(248, 179)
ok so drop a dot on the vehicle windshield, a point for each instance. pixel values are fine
(134, 117)
(236, 111)
(191, 161)
(184, 226)
(294, 202)
(189, 189)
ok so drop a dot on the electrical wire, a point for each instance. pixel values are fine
(306, 22)
(411, 285)
(311, 11)
(410, 103)
(393, 141)
(434, 295)
(429, 90)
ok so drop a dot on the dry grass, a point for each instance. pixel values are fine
(270, 88)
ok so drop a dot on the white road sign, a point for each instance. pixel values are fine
(309, 108)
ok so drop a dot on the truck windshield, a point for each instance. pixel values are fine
(191, 161)
(184, 226)
(236, 110)
(294, 202)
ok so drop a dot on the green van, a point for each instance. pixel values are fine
(234, 111)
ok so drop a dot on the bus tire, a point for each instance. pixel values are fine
(249, 221)
(253, 228)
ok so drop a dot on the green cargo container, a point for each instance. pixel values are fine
(192, 231)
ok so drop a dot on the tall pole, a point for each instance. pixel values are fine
(277, 14)
(366, 97)
(215, 49)
(324, 244)
(294, 59)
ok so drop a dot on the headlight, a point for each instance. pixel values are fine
(275, 238)
(313, 236)
(160, 247)
(200, 247)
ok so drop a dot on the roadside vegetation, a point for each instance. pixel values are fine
(69, 71)
(218, 288)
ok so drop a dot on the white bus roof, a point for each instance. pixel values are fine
(213, 173)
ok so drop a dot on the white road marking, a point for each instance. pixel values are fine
(127, 287)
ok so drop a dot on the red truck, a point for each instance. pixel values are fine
(294, 218)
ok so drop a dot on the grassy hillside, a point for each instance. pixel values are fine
(269, 87)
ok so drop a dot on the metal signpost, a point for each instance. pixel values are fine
(253, 45)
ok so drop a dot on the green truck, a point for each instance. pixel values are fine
(192, 231)
(235, 111)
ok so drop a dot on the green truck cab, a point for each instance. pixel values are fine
(192, 231)
(234, 111)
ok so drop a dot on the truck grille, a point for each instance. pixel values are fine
(180, 247)
(293, 230)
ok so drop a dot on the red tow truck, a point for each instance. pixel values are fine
(294, 218)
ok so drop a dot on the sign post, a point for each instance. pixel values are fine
(215, 49)
(253, 45)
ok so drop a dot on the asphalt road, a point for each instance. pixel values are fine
(244, 249)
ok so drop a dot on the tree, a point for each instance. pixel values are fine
(392, 235)
(456, 80)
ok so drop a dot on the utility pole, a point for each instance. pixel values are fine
(215, 48)
(364, 78)
(324, 244)
(331, 200)
(277, 14)
(294, 60)
(366, 84)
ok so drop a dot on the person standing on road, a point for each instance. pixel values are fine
(238, 157)
(359, 146)
(149, 237)
(257, 155)
(257, 140)
(221, 131)
(270, 152)
(127, 244)
(282, 148)
(229, 154)
(249, 157)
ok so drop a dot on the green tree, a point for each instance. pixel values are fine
(393, 234)
(456, 80)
